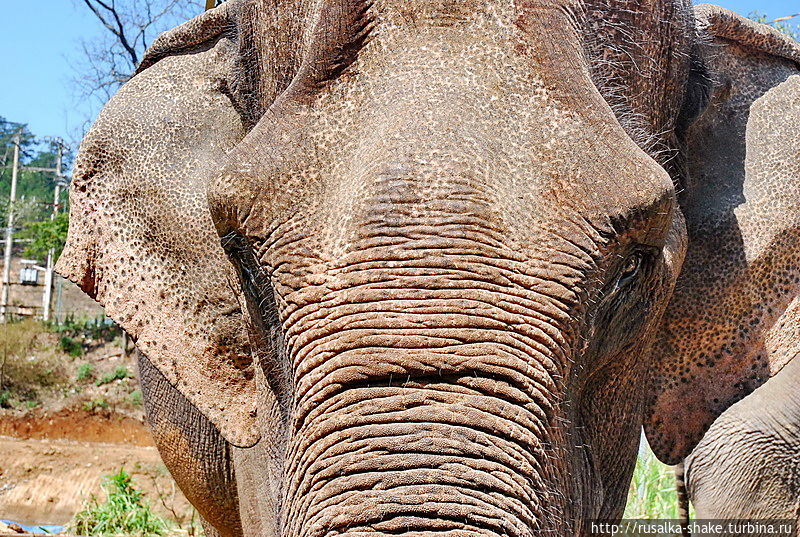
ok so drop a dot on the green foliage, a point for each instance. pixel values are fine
(100, 328)
(70, 346)
(136, 398)
(5, 399)
(125, 512)
(31, 404)
(85, 372)
(95, 404)
(652, 494)
(45, 235)
(791, 31)
(34, 188)
(120, 373)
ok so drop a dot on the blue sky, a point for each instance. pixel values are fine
(40, 40)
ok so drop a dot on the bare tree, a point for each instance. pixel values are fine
(109, 60)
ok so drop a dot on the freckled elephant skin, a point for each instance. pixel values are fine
(734, 319)
(407, 258)
(169, 286)
(741, 203)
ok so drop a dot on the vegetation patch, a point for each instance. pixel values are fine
(652, 495)
(26, 364)
(70, 346)
(120, 373)
(124, 512)
(137, 399)
(84, 372)
(95, 405)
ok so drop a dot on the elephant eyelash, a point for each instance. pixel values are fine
(629, 270)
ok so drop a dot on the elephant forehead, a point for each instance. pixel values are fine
(475, 128)
(469, 120)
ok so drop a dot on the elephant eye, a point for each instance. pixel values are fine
(630, 269)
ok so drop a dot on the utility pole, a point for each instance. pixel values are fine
(4, 314)
(48, 274)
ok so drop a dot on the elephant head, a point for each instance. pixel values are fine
(450, 238)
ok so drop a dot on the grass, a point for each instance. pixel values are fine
(124, 512)
(85, 372)
(70, 346)
(95, 404)
(137, 399)
(652, 494)
(119, 373)
(23, 369)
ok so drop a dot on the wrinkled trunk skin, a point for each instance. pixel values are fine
(430, 396)
(425, 398)
(424, 411)
(440, 354)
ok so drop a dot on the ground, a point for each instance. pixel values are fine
(72, 414)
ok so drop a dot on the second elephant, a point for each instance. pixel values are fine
(747, 466)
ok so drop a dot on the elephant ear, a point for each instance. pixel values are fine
(734, 319)
(141, 240)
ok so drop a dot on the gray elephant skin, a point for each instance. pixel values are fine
(747, 466)
(396, 267)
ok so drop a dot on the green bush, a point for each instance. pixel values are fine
(85, 372)
(5, 399)
(136, 398)
(70, 346)
(120, 373)
(100, 328)
(125, 512)
(95, 404)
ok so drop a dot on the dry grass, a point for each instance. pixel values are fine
(25, 364)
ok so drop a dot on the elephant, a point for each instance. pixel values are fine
(747, 466)
(396, 267)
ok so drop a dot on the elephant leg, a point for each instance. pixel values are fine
(193, 450)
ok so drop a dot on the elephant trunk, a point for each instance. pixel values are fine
(459, 447)
(437, 409)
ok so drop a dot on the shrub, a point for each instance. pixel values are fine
(125, 512)
(95, 404)
(136, 398)
(100, 328)
(70, 346)
(120, 373)
(85, 372)
(5, 399)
